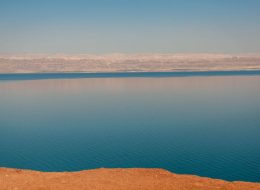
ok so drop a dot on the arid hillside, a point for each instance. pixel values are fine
(27, 63)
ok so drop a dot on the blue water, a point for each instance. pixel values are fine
(206, 124)
(38, 76)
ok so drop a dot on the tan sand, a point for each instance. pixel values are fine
(113, 179)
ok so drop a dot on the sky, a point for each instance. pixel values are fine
(129, 26)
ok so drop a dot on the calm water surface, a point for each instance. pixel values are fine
(204, 125)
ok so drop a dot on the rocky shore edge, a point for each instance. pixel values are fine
(118, 178)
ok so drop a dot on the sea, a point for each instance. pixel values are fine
(199, 123)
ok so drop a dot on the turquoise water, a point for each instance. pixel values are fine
(206, 124)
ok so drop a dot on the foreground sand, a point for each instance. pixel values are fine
(114, 179)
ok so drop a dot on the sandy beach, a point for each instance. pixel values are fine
(104, 179)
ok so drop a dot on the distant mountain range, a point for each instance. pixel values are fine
(37, 63)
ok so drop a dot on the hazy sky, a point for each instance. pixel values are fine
(107, 26)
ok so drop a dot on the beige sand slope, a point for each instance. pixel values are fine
(113, 179)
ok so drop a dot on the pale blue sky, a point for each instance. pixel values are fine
(130, 26)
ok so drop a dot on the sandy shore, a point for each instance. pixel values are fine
(114, 179)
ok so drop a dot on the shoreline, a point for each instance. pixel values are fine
(118, 178)
(155, 62)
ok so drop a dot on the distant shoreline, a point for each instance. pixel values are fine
(112, 63)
